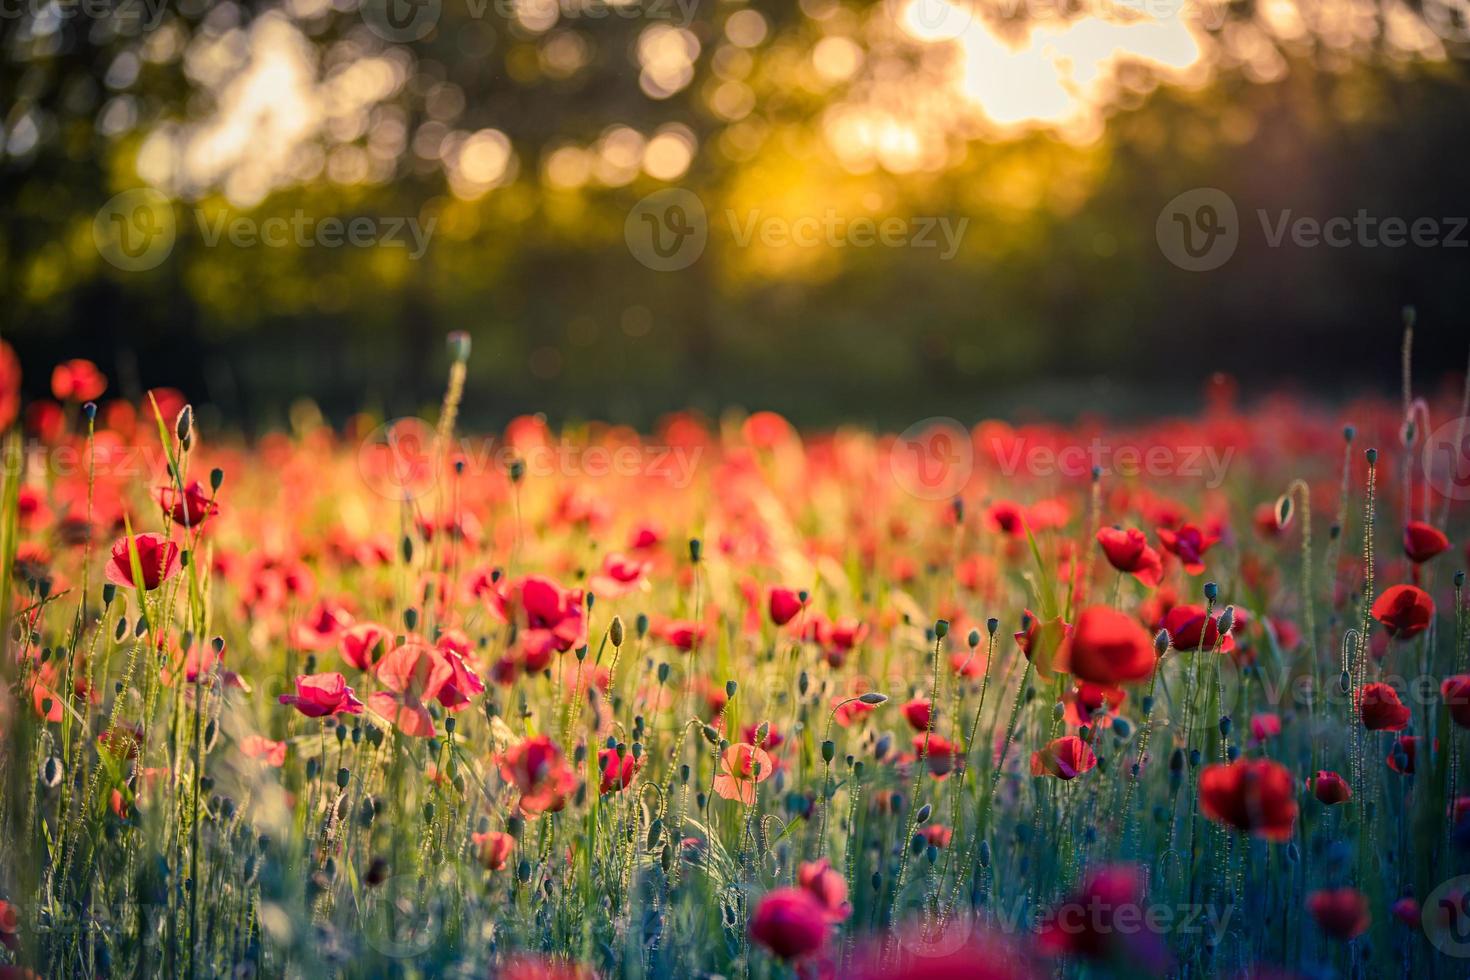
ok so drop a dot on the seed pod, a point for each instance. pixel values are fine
(1212, 591)
(1161, 642)
(1227, 620)
(696, 548)
(829, 750)
(615, 631)
(941, 628)
(730, 688)
(974, 639)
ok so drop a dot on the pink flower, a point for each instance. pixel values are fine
(791, 923)
(620, 575)
(783, 605)
(158, 560)
(319, 695)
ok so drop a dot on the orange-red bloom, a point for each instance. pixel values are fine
(158, 560)
(493, 848)
(319, 695)
(1423, 541)
(1189, 545)
(1127, 550)
(1405, 610)
(741, 768)
(1256, 796)
(1108, 647)
(1341, 912)
(1381, 710)
(77, 380)
(1331, 788)
(1065, 758)
(539, 772)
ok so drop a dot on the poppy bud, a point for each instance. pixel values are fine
(344, 775)
(1334, 532)
(458, 343)
(615, 631)
(1372, 457)
(377, 872)
(1212, 591)
(1460, 579)
(1232, 753)
(1194, 758)
(762, 733)
(974, 639)
(730, 688)
(924, 812)
(1161, 642)
(406, 548)
(655, 831)
(696, 548)
(216, 477)
(1227, 620)
(1058, 710)
(941, 628)
(1121, 727)
(582, 652)
(1176, 760)
(1344, 682)
(641, 625)
(90, 411)
(710, 735)
(1225, 725)
(411, 618)
(873, 697)
(663, 673)
(109, 592)
(985, 854)
(1292, 854)
(1348, 432)
(828, 750)
(517, 470)
(184, 425)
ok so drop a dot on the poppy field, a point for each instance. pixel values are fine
(985, 698)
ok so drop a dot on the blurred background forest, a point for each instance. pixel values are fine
(524, 131)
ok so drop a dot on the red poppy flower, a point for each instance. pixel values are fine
(742, 767)
(917, 712)
(1456, 693)
(1189, 545)
(1065, 758)
(364, 644)
(9, 385)
(267, 751)
(1256, 796)
(555, 618)
(942, 756)
(1265, 725)
(494, 848)
(620, 576)
(1407, 911)
(1267, 520)
(319, 695)
(783, 605)
(826, 886)
(188, 509)
(1108, 647)
(682, 634)
(1043, 643)
(413, 674)
(1007, 518)
(535, 966)
(1381, 710)
(791, 923)
(539, 772)
(1099, 922)
(1127, 550)
(617, 769)
(1405, 610)
(1086, 701)
(158, 559)
(1342, 913)
(463, 682)
(1404, 754)
(1423, 541)
(322, 626)
(1331, 788)
(77, 380)
(1189, 631)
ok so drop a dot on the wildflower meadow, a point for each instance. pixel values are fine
(1185, 697)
